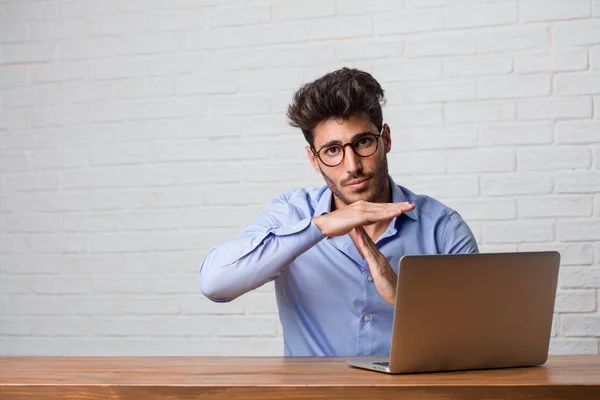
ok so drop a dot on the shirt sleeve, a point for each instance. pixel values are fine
(457, 237)
(259, 253)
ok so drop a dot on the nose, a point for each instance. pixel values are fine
(352, 162)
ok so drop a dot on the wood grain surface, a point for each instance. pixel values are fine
(562, 377)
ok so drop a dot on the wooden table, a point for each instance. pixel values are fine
(31, 378)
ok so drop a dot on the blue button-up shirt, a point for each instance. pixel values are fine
(328, 304)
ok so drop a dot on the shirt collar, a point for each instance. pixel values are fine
(398, 196)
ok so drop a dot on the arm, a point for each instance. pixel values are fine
(457, 237)
(258, 254)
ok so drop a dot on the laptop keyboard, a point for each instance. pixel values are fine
(383, 363)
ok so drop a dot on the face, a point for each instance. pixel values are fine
(356, 178)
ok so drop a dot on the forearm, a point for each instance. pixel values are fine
(253, 259)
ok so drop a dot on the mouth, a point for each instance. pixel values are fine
(356, 184)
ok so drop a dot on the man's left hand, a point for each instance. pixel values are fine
(383, 275)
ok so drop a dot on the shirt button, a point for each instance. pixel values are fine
(367, 318)
(370, 278)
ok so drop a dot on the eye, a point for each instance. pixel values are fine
(364, 141)
(332, 151)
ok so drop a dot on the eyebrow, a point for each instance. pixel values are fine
(358, 135)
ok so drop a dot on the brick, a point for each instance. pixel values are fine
(87, 8)
(560, 346)
(577, 83)
(516, 134)
(28, 12)
(121, 154)
(59, 72)
(182, 151)
(423, 115)
(242, 15)
(577, 33)
(127, 176)
(409, 22)
(518, 231)
(554, 10)
(62, 29)
(239, 105)
(95, 347)
(596, 6)
(575, 301)
(351, 7)
(485, 210)
(260, 303)
(440, 91)
(556, 206)
(479, 111)
(570, 253)
(120, 243)
(268, 80)
(13, 120)
(136, 221)
(471, 161)
(553, 158)
(557, 60)
(369, 48)
(478, 65)
(503, 13)
(440, 138)
(338, 28)
(36, 304)
(226, 326)
(28, 52)
(579, 277)
(14, 33)
(514, 38)
(577, 181)
(30, 223)
(442, 186)
(266, 172)
(49, 117)
(566, 107)
(12, 76)
(578, 132)
(514, 86)
(407, 70)
(517, 184)
(416, 163)
(597, 107)
(13, 162)
(32, 181)
(116, 68)
(40, 95)
(580, 325)
(296, 9)
(63, 285)
(448, 44)
(579, 230)
(594, 57)
(34, 346)
(90, 223)
(145, 131)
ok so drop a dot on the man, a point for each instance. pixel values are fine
(333, 252)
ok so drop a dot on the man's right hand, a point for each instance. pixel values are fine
(360, 213)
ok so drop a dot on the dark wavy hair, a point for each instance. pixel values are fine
(339, 94)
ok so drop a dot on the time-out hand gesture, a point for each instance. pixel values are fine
(360, 213)
(383, 275)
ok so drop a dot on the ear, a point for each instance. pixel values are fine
(313, 159)
(387, 138)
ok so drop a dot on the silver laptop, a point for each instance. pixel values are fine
(471, 311)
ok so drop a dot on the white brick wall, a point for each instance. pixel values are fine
(135, 135)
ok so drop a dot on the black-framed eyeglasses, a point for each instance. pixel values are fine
(364, 145)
